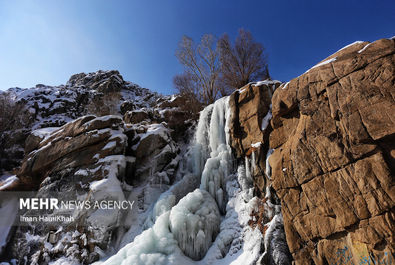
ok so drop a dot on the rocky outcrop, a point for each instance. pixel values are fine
(154, 151)
(98, 93)
(81, 142)
(175, 111)
(88, 160)
(333, 163)
(82, 160)
(103, 81)
(250, 114)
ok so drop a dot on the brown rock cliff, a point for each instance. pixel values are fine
(333, 164)
(333, 135)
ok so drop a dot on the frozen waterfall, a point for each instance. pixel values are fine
(204, 217)
(219, 164)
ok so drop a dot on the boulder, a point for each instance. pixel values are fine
(180, 112)
(137, 116)
(154, 152)
(78, 143)
(333, 164)
(183, 102)
(127, 106)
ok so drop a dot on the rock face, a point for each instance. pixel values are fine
(90, 159)
(333, 164)
(103, 81)
(83, 160)
(250, 109)
(99, 93)
(322, 145)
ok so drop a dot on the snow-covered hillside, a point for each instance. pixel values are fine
(194, 201)
(101, 92)
(51, 106)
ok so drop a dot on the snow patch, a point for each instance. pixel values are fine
(322, 63)
(7, 181)
(351, 44)
(364, 48)
(285, 86)
(256, 145)
(266, 120)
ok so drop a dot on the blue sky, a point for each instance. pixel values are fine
(46, 41)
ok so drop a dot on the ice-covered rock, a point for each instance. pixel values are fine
(194, 222)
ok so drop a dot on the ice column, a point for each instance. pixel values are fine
(218, 165)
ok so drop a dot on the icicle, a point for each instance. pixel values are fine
(217, 126)
(220, 196)
(200, 150)
(268, 170)
(266, 119)
(200, 241)
(253, 161)
(211, 188)
(248, 168)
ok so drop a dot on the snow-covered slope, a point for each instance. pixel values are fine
(55, 105)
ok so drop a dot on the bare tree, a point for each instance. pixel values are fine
(186, 85)
(213, 69)
(242, 63)
(201, 69)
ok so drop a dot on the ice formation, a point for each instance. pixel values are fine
(155, 245)
(268, 170)
(200, 150)
(218, 165)
(194, 222)
(185, 225)
(266, 119)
